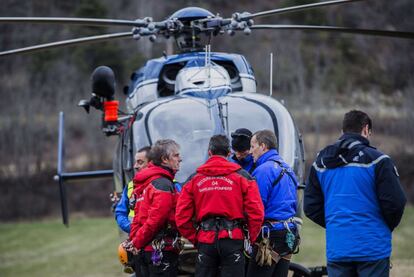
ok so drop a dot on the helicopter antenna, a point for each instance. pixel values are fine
(271, 75)
(207, 63)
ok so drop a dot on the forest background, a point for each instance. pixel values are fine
(318, 76)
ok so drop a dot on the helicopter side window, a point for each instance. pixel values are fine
(117, 166)
(128, 155)
(241, 111)
(124, 160)
(188, 122)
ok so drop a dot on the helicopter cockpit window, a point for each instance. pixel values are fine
(188, 122)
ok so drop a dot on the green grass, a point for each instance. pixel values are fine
(89, 246)
(312, 249)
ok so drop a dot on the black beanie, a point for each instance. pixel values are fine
(241, 139)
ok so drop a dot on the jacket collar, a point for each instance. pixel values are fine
(218, 165)
(245, 161)
(342, 151)
(348, 138)
(271, 154)
(153, 170)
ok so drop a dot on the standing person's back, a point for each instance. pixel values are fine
(354, 192)
(221, 197)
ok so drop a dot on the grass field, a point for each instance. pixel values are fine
(88, 248)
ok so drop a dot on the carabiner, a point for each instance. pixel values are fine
(265, 232)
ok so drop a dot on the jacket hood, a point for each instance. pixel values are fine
(345, 150)
(218, 165)
(151, 172)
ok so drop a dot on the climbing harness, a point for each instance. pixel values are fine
(156, 256)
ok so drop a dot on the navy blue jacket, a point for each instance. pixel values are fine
(247, 163)
(279, 200)
(354, 192)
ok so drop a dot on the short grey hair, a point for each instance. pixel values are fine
(266, 137)
(162, 149)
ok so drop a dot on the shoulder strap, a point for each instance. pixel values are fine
(282, 173)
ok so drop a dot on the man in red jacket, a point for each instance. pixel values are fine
(221, 197)
(153, 228)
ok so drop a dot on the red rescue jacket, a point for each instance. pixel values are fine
(219, 189)
(155, 196)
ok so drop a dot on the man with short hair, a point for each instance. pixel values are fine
(354, 192)
(124, 211)
(221, 197)
(277, 185)
(240, 144)
(153, 228)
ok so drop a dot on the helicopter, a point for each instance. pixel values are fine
(189, 96)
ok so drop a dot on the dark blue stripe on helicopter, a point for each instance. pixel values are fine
(264, 106)
(141, 84)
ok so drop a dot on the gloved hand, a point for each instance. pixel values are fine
(129, 246)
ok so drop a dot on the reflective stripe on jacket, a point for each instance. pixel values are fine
(130, 189)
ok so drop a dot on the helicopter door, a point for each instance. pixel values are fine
(123, 162)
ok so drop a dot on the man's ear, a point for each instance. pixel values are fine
(209, 153)
(164, 159)
(365, 131)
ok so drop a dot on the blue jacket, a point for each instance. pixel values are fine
(247, 163)
(279, 199)
(122, 212)
(354, 191)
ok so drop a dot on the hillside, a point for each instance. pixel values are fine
(318, 76)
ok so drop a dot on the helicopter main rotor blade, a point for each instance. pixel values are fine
(297, 8)
(383, 33)
(78, 21)
(90, 39)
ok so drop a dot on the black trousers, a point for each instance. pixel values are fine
(223, 258)
(167, 268)
(380, 268)
(278, 242)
